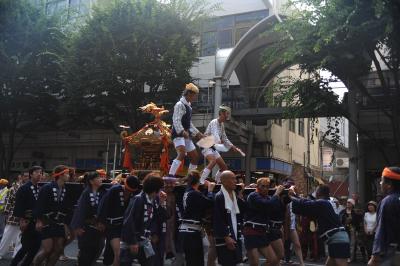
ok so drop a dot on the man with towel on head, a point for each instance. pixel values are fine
(216, 128)
(183, 130)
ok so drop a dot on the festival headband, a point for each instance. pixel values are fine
(65, 171)
(387, 173)
(130, 189)
(101, 172)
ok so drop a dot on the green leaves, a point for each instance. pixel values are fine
(348, 38)
(96, 70)
(128, 53)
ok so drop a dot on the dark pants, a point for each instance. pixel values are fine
(159, 249)
(30, 241)
(228, 257)
(369, 241)
(309, 244)
(193, 248)
(90, 245)
(126, 258)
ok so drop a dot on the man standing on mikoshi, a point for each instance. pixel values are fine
(183, 130)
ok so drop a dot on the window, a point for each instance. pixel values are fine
(208, 43)
(292, 125)
(250, 19)
(210, 25)
(239, 33)
(225, 23)
(224, 39)
(301, 127)
(225, 32)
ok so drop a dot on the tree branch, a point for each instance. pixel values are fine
(379, 72)
(383, 58)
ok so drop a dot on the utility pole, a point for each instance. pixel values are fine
(217, 95)
(353, 154)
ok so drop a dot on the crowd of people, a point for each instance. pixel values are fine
(157, 218)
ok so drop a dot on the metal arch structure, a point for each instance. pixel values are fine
(244, 59)
(251, 44)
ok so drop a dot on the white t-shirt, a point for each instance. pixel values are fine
(370, 221)
(292, 218)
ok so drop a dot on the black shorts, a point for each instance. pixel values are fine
(274, 234)
(91, 239)
(255, 241)
(113, 231)
(228, 257)
(53, 230)
(339, 250)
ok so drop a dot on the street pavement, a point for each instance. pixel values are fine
(72, 250)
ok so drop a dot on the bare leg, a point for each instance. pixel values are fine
(57, 249)
(340, 262)
(329, 262)
(44, 252)
(70, 237)
(221, 164)
(211, 161)
(115, 247)
(253, 256)
(269, 253)
(296, 244)
(206, 171)
(277, 246)
(194, 157)
(180, 150)
(212, 252)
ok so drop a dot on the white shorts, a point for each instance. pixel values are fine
(209, 151)
(188, 143)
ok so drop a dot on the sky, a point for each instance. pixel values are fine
(338, 87)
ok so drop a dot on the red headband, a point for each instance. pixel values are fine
(101, 172)
(130, 189)
(387, 173)
(65, 171)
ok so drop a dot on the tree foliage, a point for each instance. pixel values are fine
(128, 53)
(64, 68)
(31, 65)
(348, 38)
